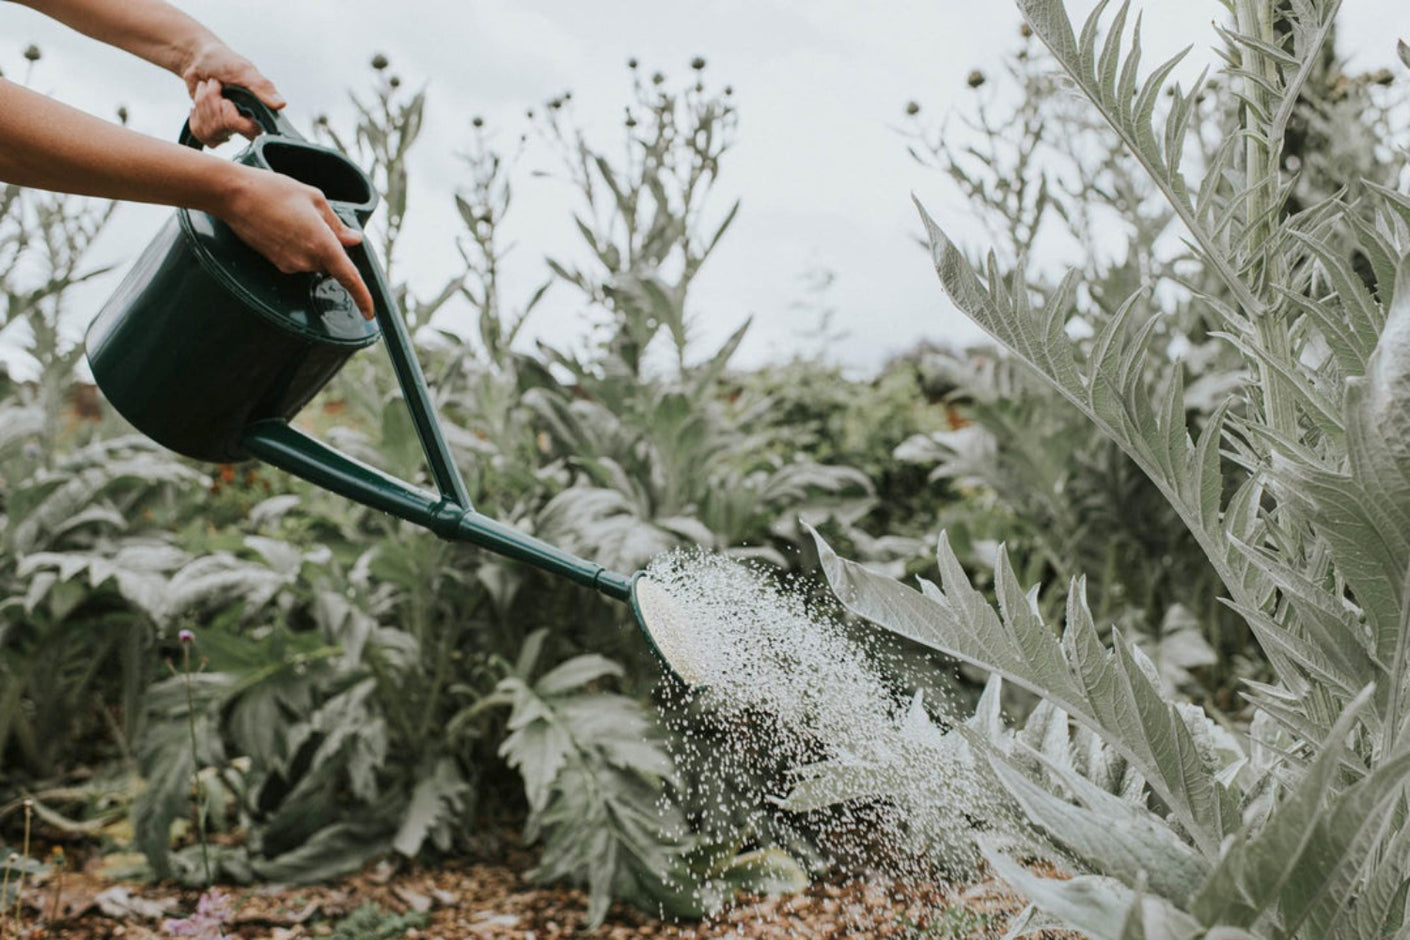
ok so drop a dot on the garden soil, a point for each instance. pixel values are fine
(492, 899)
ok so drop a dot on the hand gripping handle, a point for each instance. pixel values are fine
(248, 103)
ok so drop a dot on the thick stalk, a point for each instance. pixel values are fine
(1261, 156)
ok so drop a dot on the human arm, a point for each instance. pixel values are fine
(49, 145)
(163, 35)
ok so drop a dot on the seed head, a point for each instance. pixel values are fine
(975, 79)
(379, 62)
(1025, 30)
(632, 63)
(122, 113)
(477, 121)
(32, 52)
(697, 63)
(394, 81)
(912, 108)
(657, 78)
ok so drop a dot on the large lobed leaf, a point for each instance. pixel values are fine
(1109, 691)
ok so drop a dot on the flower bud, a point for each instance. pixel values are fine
(379, 62)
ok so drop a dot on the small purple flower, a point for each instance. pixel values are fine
(186, 636)
(212, 911)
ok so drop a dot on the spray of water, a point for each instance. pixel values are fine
(792, 707)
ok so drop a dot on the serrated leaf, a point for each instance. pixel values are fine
(1109, 834)
(1107, 691)
(1259, 867)
(1101, 907)
(576, 673)
(437, 797)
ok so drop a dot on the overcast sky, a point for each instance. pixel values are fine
(820, 85)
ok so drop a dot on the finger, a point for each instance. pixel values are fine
(211, 136)
(346, 234)
(207, 128)
(205, 118)
(264, 89)
(232, 120)
(341, 269)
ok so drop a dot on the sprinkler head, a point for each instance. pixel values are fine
(669, 629)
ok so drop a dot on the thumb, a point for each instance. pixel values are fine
(264, 90)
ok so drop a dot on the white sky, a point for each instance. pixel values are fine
(820, 86)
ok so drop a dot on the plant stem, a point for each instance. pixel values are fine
(195, 762)
(24, 854)
(58, 886)
(4, 889)
(1261, 157)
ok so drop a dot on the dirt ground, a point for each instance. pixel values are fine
(493, 900)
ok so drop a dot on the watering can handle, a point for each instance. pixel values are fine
(248, 104)
(444, 471)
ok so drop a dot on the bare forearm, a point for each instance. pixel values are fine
(150, 29)
(48, 145)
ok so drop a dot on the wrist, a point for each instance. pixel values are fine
(189, 54)
(229, 184)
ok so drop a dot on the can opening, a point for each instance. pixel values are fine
(338, 178)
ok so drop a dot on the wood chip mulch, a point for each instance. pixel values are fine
(493, 900)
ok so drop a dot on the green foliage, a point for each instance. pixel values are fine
(370, 922)
(593, 766)
(348, 662)
(1292, 487)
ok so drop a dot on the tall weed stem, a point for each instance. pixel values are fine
(187, 638)
(24, 856)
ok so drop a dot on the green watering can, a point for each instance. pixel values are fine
(210, 350)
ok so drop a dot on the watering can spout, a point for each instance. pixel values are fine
(276, 442)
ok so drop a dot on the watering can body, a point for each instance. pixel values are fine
(204, 337)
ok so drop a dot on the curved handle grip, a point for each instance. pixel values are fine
(248, 103)
(409, 377)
